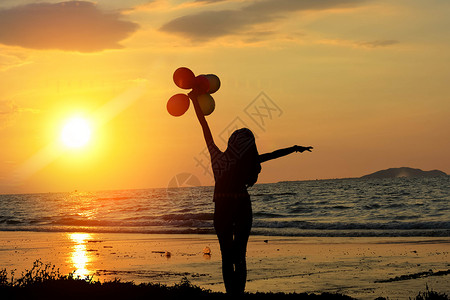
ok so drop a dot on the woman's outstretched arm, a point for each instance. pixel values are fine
(282, 152)
(201, 118)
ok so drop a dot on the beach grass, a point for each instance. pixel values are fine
(44, 281)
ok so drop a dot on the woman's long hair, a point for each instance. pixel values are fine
(242, 146)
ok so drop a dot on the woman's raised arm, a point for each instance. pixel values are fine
(282, 152)
(201, 118)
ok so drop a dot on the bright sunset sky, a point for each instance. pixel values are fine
(367, 83)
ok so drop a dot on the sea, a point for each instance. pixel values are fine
(395, 207)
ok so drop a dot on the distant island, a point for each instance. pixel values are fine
(404, 172)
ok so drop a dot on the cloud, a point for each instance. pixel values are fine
(379, 43)
(9, 110)
(209, 1)
(72, 25)
(357, 44)
(11, 107)
(11, 60)
(208, 25)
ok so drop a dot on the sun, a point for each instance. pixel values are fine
(76, 133)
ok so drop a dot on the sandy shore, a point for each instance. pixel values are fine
(359, 267)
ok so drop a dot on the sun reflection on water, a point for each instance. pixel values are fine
(80, 256)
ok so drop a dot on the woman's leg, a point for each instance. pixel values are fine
(224, 230)
(228, 273)
(241, 235)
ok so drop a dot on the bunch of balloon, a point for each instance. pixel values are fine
(202, 86)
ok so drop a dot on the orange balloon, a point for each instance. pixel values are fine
(184, 78)
(201, 84)
(178, 104)
(207, 103)
(214, 83)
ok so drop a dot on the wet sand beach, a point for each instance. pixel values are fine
(360, 267)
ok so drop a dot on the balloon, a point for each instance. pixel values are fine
(207, 104)
(184, 78)
(214, 83)
(201, 84)
(178, 104)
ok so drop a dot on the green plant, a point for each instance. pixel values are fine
(430, 295)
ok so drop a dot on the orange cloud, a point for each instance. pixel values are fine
(379, 43)
(10, 60)
(355, 44)
(207, 25)
(73, 25)
(9, 110)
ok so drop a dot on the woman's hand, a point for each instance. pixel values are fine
(302, 149)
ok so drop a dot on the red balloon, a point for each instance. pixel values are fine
(201, 84)
(178, 104)
(184, 78)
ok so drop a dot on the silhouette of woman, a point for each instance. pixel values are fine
(235, 170)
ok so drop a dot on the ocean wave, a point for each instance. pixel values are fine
(282, 228)
(350, 226)
(291, 232)
(273, 194)
(263, 215)
(320, 208)
(150, 230)
(114, 198)
(351, 233)
(188, 216)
